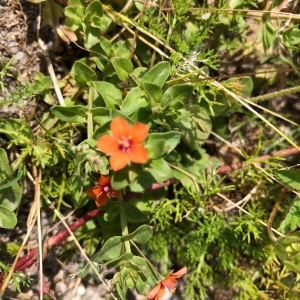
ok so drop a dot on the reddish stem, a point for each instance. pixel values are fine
(28, 259)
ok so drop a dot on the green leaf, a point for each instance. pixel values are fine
(122, 291)
(140, 286)
(82, 73)
(158, 74)
(129, 283)
(76, 114)
(292, 266)
(101, 115)
(123, 66)
(142, 234)
(134, 215)
(10, 248)
(93, 11)
(112, 249)
(41, 82)
(143, 266)
(133, 101)
(124, 273)
(180, 92)
(290, 239)
(171, 140)
(201, 127)
(10, 197)
(111, 213)
(120, 179)
(102, 130)
(91, 36)
(234, 3)
(144, 180)
(291, 178)
(242, 85)
(110, 94)
(74, 12)
(120, 260)
(106, 46)
(7, 218)
(153, 91)
(10, 183)
(17, 130)
(160, 170)
(47, 297)
(268, 35)
(292, 220)
(155, 148)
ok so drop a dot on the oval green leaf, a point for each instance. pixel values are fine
(73, 114)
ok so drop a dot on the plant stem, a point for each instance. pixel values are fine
(276, 94)
(273, 213)
(124, 226)
(89, 116)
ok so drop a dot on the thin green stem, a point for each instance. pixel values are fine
(15, 165)
(90, 116)
(276, 94)
(61, 191)
(158, 275)
(124, 226)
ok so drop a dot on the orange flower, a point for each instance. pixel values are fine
(103, 191)
(169, 282)
(124, 145)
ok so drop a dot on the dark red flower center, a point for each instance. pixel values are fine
(125, 143)
(171, 288)
(106, 189)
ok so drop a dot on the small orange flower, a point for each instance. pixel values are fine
(103, 191)
(124, 145)
(168, 283)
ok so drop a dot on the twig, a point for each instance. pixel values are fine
(49, 64)
(241, 202)
(273, 213)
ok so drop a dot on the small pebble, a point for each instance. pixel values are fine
(11, 36)
(81, 290)
(13, 47)
(61, 286)
(20, 55)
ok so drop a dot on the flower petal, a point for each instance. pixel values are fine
(160, 293)
(119, 127)
(154, 291)
(115, 193)
(96, 190)
(139, 133)
(101, 199)
(118, 160)
(169, 281)
(179, 273)
(138, 154)
(108, 144)
(104, 180)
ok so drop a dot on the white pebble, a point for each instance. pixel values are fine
(81, 290)
(19, 55)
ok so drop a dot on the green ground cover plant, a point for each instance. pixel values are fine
(128, 143)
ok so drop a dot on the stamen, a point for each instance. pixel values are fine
(171, 288)
(125, 143)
